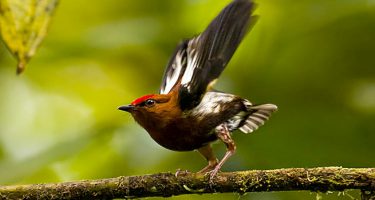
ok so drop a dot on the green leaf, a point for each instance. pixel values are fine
(23, 26)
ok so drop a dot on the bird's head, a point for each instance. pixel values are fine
(151, 109)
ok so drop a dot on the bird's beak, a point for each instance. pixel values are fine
(127, 108)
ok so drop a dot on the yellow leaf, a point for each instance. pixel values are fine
(23, 26)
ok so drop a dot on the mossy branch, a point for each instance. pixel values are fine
(167, 184)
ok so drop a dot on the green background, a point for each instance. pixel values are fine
(315, 59)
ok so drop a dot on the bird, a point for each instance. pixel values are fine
(188, 113)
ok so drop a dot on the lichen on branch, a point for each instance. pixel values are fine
(167, 184)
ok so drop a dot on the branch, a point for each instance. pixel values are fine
(167, 184)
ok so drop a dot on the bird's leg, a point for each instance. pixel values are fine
(223, 134)
(207, 152)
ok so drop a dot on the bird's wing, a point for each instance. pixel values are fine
(197, 62)
(209, 52)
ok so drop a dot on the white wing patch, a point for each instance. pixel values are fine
(211, 103)
(192, 61)
(173, 75)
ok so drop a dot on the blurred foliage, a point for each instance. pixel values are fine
(314, 59)
(23, 26)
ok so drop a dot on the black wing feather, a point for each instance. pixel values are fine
(199, 61)
(209, 53)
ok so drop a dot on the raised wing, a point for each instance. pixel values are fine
(209, 53)
(197, 62)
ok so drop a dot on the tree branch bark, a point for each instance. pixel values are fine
(167, 184)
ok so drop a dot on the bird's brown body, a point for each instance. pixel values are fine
(182, 134)
(188, 114)
(170, 128)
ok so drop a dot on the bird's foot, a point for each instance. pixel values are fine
(213, 174)
(210, 170)
(181, 172)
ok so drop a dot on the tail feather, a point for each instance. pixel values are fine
(259, 114)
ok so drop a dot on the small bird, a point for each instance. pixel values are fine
(188, 114)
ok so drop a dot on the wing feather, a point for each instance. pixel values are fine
(175, 68)
(197, 62)
(209, 52)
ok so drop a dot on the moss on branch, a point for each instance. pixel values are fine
(167, 184)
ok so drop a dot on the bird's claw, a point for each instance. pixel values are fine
(212, 175)
(210, 171)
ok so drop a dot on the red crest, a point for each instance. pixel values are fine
(142, 99)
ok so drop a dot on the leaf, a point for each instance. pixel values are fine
(23, 26)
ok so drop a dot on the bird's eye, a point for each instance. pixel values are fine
(149, 102)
